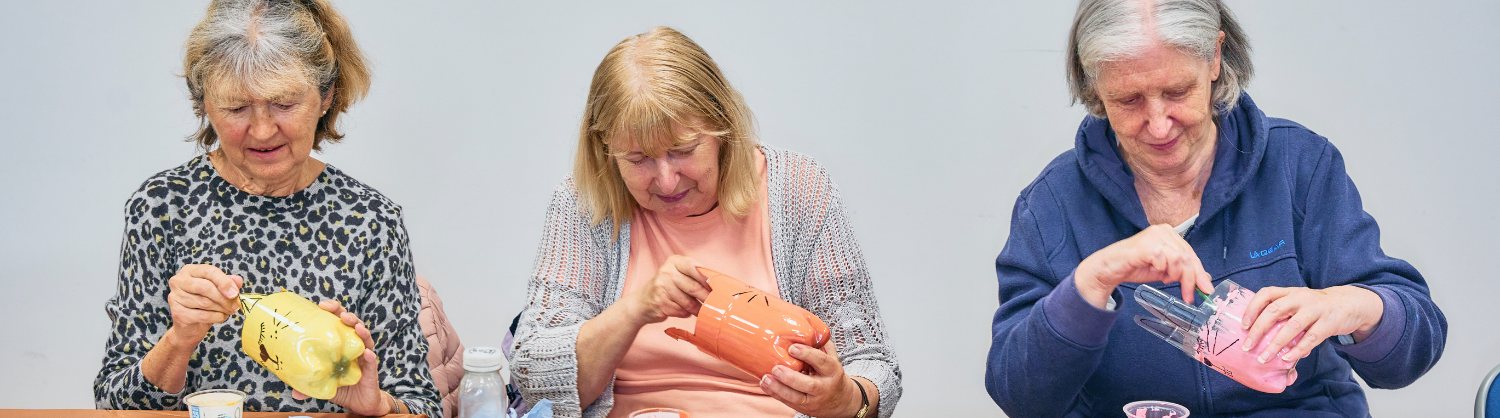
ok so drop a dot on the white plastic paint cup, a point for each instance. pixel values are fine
(1155, 409)
(216, 403)
(660, 413)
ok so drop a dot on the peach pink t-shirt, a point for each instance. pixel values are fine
(659, 371)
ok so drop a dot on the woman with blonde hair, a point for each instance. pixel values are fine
(257, 214)
(669, 177)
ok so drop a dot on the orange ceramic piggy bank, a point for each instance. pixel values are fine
(750, 329)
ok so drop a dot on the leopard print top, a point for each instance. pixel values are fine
(336, 239)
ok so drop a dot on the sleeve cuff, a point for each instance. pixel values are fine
(1075, 319)
(1387, 333)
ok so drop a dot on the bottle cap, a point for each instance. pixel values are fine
(483, 359)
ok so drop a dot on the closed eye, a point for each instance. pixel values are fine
(680, 153)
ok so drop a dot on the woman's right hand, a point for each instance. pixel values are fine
(676, 291)
(1156, 254)
(201, 296)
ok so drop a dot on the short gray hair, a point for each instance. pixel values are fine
(266, 45)
(1112, 30)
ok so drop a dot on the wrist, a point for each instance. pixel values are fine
(627, 313)
(186, 336)
(860, 397)
(1374, 308)
(394, 405)
(1090, 289)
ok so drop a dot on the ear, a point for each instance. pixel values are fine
(1218, 55)
(328, 97)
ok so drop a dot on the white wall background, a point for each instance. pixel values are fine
(931, 117)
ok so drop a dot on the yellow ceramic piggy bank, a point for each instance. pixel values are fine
(307, 347)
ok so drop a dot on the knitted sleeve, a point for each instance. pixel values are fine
(571, 282)
(820, 267)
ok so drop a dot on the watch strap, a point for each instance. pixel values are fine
(864, 400)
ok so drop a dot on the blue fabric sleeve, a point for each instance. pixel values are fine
(1387, 333)
(1074, 318)
(1046, 341)
(1340, 245)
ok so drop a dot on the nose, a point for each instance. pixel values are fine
(262, 124)
(1158, 125)
(666, 175)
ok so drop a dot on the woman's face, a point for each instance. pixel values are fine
(267, 139)
(684, 181)
(1158, 104)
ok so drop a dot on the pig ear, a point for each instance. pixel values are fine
(710, 273)
(819, 329)
(679, 334)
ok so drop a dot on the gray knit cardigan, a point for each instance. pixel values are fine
(580, 269)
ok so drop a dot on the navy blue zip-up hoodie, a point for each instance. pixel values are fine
(1278, 210)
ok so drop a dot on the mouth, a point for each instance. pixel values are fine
(265, 151)
(672, 198)
(1164, 147)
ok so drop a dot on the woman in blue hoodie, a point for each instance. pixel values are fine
(1175, 166)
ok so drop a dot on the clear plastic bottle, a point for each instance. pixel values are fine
(481, 394)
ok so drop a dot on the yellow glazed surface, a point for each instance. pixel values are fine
(307, 347)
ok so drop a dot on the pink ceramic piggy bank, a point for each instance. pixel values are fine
(750, 329)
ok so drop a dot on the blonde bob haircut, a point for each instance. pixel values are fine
(646, 85)
(270, 47)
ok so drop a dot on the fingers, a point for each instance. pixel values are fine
(364, 334)
(1260, 302)
(190, 295)
(1277, 306)
(811, 385)
(1302, 345)
(1292, 328)
(822, 363)
(692, 282)
(1265, 309)
(333, 307)
(299, 395)
(369, 365)
(226, 285)
(1168, 258)
(203, 294)
(1194, 276)
(779, 390)
(670, 301)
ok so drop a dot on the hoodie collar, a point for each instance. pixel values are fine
(1240, 149)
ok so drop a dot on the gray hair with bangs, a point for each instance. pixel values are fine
(270, 47)
(1111, 30)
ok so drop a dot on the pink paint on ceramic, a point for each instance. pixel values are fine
(1221, 340)
(1155, 409)
(750, 329)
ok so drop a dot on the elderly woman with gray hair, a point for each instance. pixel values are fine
(1175, 166)
(258, 214)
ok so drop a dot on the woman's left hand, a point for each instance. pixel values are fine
(364, 397)
(827, 392)
(1321, 313)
